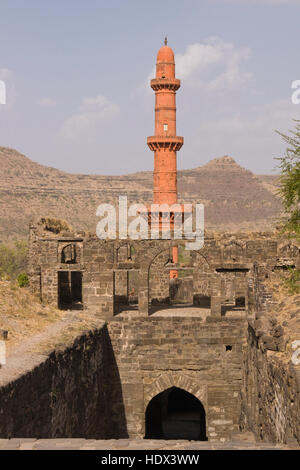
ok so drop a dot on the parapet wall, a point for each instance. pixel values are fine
(68, 395)
(271, 395)
(204, 359)
(101, 386)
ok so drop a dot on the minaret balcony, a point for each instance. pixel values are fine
(157, 142)
(172, 84)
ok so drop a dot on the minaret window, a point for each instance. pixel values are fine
(165, 127)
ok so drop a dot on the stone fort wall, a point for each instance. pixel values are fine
(68, 395)
(206, 360)
(102, 385)
(221, 272)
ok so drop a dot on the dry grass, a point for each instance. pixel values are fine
(22, 314)
(54, 225)
(66, 337)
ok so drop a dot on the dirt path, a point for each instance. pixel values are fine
(25, 356)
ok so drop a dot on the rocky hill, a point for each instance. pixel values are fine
(234, 198)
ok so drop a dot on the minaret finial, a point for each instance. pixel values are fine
(166, 40)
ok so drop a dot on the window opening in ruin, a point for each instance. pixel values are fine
(234, 289)
(171, 285)
(68, 254)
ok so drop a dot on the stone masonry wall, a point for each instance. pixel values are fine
(271, 391)
(74, 393)
(101, 263)
(154, 354)
(159, 278)
(98, 284)
(271, 395)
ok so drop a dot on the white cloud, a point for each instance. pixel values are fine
(47, 102)
(197, 56)
(91, 112)
(212, 65)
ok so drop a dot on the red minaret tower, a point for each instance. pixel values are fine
(165, 143)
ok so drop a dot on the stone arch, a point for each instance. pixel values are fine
(169, 380)
(163, 289)
(124, 252)
(233, 251)
(159, 278)
(162, 246)
(175, 413)
(201, 280)
(68, 254)
(203, 258)
(288, 250)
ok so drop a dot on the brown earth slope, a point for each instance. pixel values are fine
(234, 198)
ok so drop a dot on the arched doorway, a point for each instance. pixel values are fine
(175, 414)
(170, 291)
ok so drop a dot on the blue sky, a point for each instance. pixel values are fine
(77, 77)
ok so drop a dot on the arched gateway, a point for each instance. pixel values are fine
(175, 414)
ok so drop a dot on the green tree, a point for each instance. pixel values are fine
(289, 189)
(13, 259)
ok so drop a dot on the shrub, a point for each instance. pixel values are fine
(22, 280)
(290, 181)
(13, 259)
(293, 281)
(53, 225)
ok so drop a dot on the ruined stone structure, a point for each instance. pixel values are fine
(204, 344)
(183, 358)
(93, 273)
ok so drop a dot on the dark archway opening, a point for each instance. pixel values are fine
(70, 290)
(175, 414)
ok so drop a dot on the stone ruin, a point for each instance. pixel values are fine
(181, 359)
